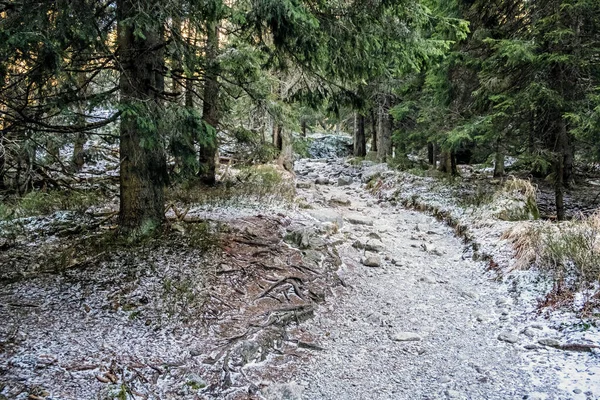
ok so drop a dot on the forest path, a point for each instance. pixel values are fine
(428, 322)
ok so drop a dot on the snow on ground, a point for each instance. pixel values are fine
(477, 336)
(347, 296)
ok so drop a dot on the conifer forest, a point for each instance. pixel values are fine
(299, 199)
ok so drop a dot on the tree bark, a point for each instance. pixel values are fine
(374, 130)
(303, 126)
(210, 112)
(286, 156)
(77, 159)
(384, 147)
(143, 169)
(562, 142)
(448, 163)
(499, 160)
(360, 146)
(277, 136)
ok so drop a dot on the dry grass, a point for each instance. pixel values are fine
(264, 183)
(569, 252)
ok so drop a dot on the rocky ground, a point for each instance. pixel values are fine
(421, 319)
(344, 294)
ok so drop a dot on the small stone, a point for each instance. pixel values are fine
(427, 279)
(531, 347)
(322, 181)
(406, 337)
(303, 185)
(445, 379)
(339, 201)
(344, 181)
(453, 394)
(549, 342)
(508, 337)
(372, 261)
(359, 220)
(577, 391)
(501, 301)
(529, 332)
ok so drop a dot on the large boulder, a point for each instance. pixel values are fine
(330, 146)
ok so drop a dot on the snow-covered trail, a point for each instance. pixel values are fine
(428, 322)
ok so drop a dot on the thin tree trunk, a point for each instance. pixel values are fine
(143, 168)
(374, 130)
(559, 184)
(303, 126)
(286, 156)
(277, 136)
(210, 114)
(78, 159)
(384, 147)
(360, 146)
(499, 160)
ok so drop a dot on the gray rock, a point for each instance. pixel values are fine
(445, 379)
(344, 181)
(322, 180)
(303, 185)
(370, 245)
(508, 337)
(372, 261)
(405, 337)
(339, 201)
(549, 342)
(577, 391)
(427, 279)
(373, 172)
(357, 219)
(531, 347)
(327, 216)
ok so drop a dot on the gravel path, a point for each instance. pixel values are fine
(429, 322)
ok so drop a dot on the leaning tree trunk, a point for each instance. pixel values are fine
(143, 168)
(210, 113)
(360, 146)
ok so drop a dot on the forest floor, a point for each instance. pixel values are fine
(340, 294)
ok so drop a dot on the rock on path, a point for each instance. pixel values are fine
(436, 341)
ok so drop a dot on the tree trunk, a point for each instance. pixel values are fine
(499, 160)
(143, 169)
(303, 126)
(430, 150)
(447, 163)
(374, 130)
(562, 143)
(286, 154)
(384, 147)
(360, 146)
(277, 136)
(210, 114)
(77, 159)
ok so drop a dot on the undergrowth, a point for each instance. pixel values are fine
(46, 202)
(569, 252)
(262, 183)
